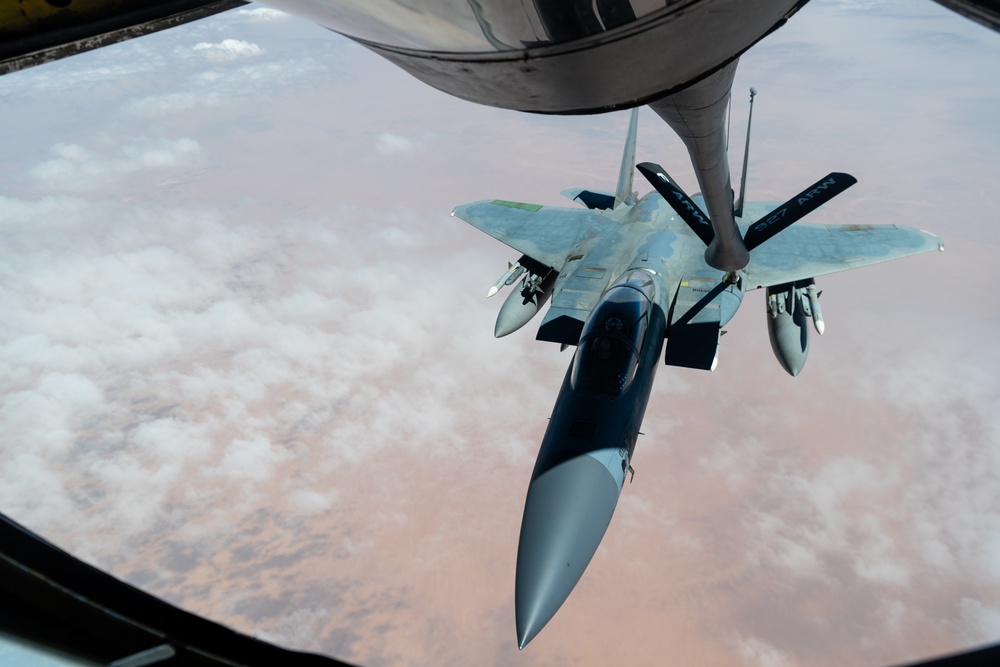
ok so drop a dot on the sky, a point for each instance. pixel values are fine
(247, 363)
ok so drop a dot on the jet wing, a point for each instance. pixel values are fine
(546, 234)
(809, 250)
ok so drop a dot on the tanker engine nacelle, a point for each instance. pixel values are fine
(789, 307)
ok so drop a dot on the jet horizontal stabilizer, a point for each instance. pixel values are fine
(592, 199)
(678, 200)
(797, 208)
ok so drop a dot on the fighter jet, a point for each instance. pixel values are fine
(632, 281)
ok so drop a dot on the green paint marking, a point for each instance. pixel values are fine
(517, 204)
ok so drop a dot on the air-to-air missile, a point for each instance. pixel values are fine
(512, 273)
(817, 312)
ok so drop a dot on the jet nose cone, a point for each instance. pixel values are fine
(566, 514)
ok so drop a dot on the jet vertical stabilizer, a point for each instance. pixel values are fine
(624, 193)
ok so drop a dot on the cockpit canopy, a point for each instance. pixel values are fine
(608, 353)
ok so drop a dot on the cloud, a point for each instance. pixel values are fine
(758, 653)
(979, 623)
(263, 15)
(227, 50)
(170, 103)
(254, 458)
(213, 346)
(389, 144)
(76, 168)
(310, 502)
(244, 375)
(228, 84)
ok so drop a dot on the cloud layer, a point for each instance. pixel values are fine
(246, 363)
